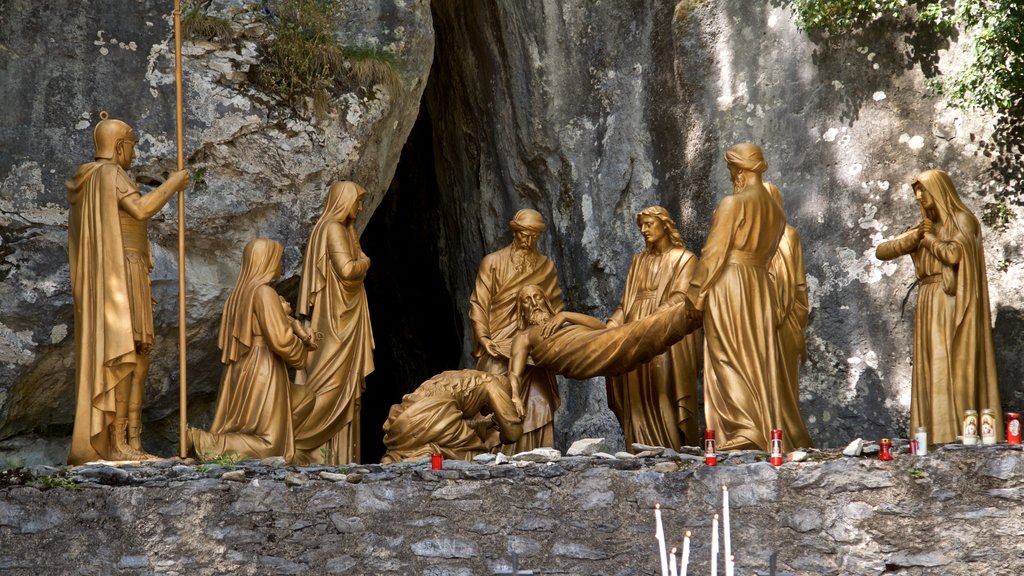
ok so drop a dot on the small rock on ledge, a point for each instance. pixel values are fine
(538, 455)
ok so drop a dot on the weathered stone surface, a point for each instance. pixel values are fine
(854, 448)
(538, 455)
(587, 447)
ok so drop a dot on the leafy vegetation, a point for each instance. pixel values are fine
(997, 215)
(224, 460)
(48, 482)
(993, 78)
(197, 23)
(303, 59)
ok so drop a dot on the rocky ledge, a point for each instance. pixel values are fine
(956, 511)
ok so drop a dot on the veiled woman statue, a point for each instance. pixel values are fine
(258, 341)
(325, 402)
(954, 361)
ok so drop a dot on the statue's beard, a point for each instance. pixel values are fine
(538, 316)
(523, 259)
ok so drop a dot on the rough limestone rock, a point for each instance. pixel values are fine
(267, 169)
(538, 455)
(587, 447)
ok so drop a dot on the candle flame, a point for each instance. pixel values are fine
(724, 487)
(715, 516)
(673, 550)
(657, 506)
(687, 534)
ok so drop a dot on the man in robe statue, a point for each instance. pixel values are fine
(110, 259)
(656, 404)
(744, 396)
(492, 313)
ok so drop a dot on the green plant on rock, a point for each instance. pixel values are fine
(303, 59)
(197, 23)
(48, 482)
(993, 78)
(997, 215)
(224, 460)
(918, 473)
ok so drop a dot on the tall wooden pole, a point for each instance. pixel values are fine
(179, 117)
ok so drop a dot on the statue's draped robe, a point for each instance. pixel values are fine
(433, 418)
(492, 313)
(732, 287)
(580, 352)
(657, 400)
(253, 416)
(326, 397)
(104, 342)
(954, 365)
(790, 284)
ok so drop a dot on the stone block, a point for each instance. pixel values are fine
(587, 447)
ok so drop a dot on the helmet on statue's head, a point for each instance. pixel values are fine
(108, 133)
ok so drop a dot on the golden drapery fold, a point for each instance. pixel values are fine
(580, 352)
(656, 404)
(326, 397)
(492, 313)
(434, 419)
(954, 365)
(104, 345)
(253, 415)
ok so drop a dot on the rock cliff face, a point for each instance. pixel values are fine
(591, 111)
(586, 111)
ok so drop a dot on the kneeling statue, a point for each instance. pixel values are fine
(438, 417)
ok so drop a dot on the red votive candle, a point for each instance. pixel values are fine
(435, 461)
(710, 457)
(776, 447)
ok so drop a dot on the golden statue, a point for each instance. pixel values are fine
(492, 315)
(109, 253)
(789, 283)
(954, 361)
(258, 341)
(454, 412)
(742, 400)
(326, 395)
(656, 404)
(443, 416)
(580, 346)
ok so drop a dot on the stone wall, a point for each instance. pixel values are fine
(955, 512)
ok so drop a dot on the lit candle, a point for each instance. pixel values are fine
(714, 545)
(686, 554)
(672, 563)
(659, 533)
(725, 530)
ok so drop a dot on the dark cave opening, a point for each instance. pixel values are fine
(416, 325)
